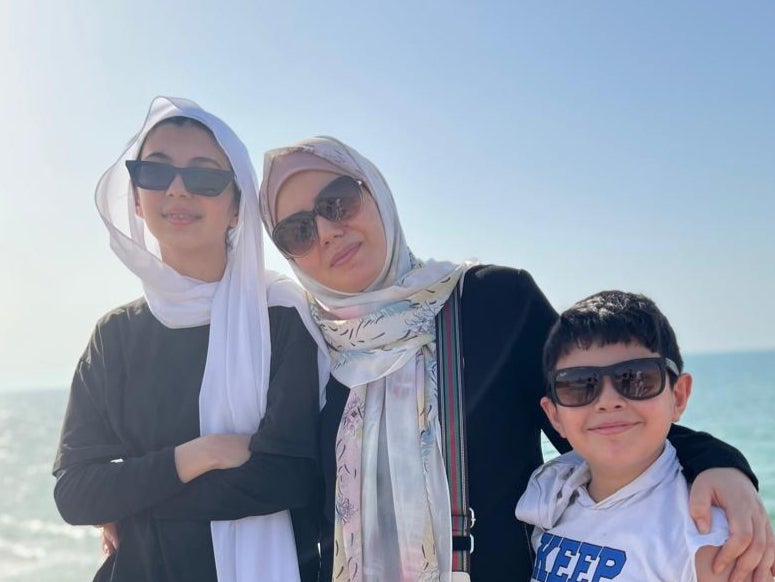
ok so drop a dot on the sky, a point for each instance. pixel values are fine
(596, 144)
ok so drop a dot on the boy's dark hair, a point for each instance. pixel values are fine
(611, 317)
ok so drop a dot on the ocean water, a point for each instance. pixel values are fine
(732, 398)
(35, 544)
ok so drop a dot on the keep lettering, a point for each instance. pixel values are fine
(561, 559)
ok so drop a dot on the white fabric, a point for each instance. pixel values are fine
(392, 507)
(641, 532)
(233, 393)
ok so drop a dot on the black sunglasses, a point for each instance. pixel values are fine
(339, 200)
(639, 379)
(158, 176)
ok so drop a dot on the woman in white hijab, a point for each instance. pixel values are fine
(192, 416)
(387, 504)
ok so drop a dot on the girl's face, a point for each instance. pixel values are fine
(191, 229)
(348, 255)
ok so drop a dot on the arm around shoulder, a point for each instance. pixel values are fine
(698, 451)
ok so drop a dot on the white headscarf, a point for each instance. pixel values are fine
(392, 499)
(232, 398)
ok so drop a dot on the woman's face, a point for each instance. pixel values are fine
(347, 255)
(191, 229)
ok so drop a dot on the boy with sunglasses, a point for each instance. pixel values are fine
(615, 508)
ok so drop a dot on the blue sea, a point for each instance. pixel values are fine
(732, 398)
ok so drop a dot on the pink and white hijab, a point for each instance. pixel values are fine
(234, 387)
(392, 498)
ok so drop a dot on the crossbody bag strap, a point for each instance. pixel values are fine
(452, 418)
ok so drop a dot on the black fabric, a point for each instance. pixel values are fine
(134, 397)
(461, 543)
(505, 320)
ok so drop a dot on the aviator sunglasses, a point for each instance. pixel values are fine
(158, 176)
(639, 379)
(338, 201)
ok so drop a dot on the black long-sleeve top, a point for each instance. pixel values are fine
(505, 321)
(134, 397)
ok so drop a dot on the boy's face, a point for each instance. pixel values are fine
(616, 435)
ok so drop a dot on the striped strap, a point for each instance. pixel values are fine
(452, 418)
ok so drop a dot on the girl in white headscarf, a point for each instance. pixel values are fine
(193, 411)
(387, 505)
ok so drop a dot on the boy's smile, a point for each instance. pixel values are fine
(618, 437)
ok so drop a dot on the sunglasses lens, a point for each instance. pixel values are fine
(151, 175)
(295, 236)
(340, 200)
(576, 386)
(206, 181)
(639, 379)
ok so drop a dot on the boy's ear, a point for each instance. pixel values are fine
(682, 389)
(550, 409)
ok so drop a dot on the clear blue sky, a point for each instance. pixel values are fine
(596, 144)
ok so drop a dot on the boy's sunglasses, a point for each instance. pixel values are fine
(339, 200)
(158, 176)
(639, 379)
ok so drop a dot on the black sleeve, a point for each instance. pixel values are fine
(539, 317)
(102, 491)
(530, 316)
(505, 320)
(698, 451)
(265, 484)
(91, 487)
(282, 472)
